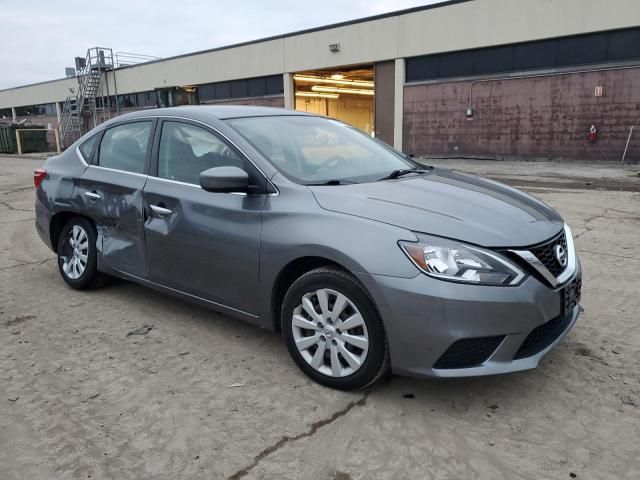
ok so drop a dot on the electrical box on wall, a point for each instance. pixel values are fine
(599, 91)
(469, 113)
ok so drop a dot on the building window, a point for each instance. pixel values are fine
(623, 45)
(582, 50)
(573, 51)
(240, 89)
(223, 90)
(146, 99)
(6, 114)
(133, 100)
(245, 88)
(275, 85)
(127, 101)
(42, 110)
(534, 55)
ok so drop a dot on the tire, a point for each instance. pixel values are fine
(320, 348)
(78, 264)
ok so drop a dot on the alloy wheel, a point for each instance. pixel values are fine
(75, 253)
(330, 333)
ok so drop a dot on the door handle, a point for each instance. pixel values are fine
(92, 195)
(160, 210)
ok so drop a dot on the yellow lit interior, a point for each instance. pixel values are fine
(346, 94)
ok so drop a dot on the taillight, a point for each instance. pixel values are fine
(38, 176)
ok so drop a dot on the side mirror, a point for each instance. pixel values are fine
(224, 180)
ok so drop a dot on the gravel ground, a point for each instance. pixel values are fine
(203, 396)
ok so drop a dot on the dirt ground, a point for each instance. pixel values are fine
(204, 396)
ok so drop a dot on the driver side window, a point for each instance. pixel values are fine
(186, 150)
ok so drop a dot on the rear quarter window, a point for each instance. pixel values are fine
(88, 147)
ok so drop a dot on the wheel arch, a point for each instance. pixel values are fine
(289, 274)
(58, 221)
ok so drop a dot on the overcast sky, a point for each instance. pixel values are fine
(40, 38)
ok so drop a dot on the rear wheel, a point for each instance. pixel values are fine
(77, 255)
(333, 330)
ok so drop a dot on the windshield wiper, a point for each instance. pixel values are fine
(330, 183)
(402, 172)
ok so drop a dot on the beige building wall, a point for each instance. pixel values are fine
(483, 23)
(256, 60)
(458, 26)
(46, 92)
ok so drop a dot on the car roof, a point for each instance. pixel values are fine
(221, 112)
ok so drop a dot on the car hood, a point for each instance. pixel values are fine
(449, 204)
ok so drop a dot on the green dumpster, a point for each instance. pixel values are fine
(7, 139)
(33, 138)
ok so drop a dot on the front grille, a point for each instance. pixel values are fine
(547, 255)
(468, 352)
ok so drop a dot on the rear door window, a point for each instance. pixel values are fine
(124, 147)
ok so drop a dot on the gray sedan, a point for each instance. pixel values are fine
(364, 259)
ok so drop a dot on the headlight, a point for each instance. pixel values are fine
(457, 262)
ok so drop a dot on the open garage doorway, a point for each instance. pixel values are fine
(345, 93)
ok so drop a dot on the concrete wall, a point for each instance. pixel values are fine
(542, 117)
(482, 23)
(469, 24)
(46, 92)
(256, 60)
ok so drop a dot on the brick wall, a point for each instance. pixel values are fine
(536, 117)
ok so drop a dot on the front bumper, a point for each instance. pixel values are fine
(425, 317)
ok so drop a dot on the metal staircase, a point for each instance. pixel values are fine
(91, 76)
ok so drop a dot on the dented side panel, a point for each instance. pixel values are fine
(56, 191)
(113, 199)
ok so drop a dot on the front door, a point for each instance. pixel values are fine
(205, 244)
(110, 191)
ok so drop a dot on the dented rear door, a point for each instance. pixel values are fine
(111, 194)
(114, 201)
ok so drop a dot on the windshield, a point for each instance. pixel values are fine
(315, 150)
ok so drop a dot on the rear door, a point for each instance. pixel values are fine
(206, 244)
(110, 191)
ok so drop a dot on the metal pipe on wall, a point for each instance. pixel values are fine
(626, 147)
(542, 75)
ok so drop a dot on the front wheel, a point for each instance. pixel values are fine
(77, 255)
(333, 330)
